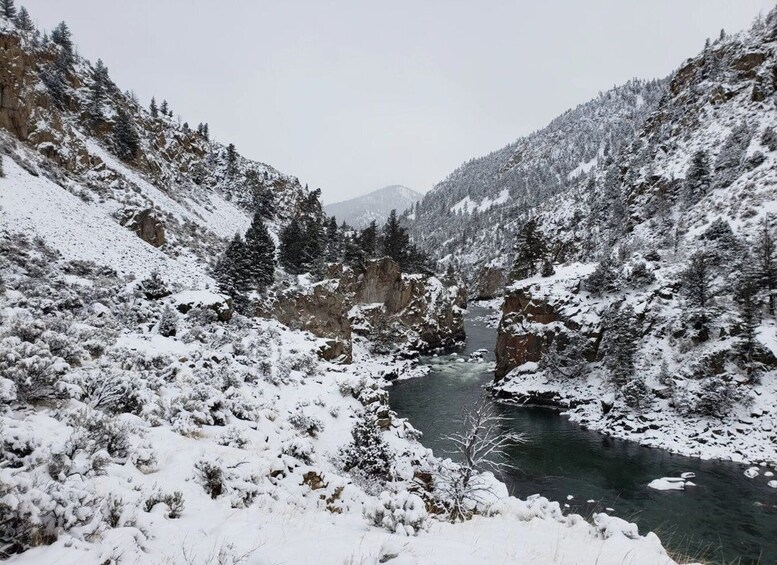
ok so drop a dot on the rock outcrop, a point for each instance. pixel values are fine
(148, 227)
(490, 283)
(377, 301)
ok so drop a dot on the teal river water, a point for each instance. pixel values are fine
(726, 518)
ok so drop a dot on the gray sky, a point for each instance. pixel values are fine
(351, 96)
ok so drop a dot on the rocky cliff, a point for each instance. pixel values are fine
(378, 301)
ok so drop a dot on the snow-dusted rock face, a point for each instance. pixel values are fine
(379, 302)
(490, 283)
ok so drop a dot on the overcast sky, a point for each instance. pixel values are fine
(351, 96)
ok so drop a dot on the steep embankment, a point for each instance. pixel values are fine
(665, 333)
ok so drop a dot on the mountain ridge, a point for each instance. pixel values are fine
(375, 206)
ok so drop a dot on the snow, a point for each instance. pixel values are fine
(83, 231)
(670, 483)
(468, 206)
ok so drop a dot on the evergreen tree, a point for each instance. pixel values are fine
(333, 241)
(292, 254)
(394, 240)
(163, 107)
(61, 36)
(622, 335)
(264, 202)
(529, 250)
(126, 142)
(765, 259)
(697, 179)
(368, 240)
(2, 171)
(8, 9)
(24, 21)
(153, 108)
(747, 299)
(205, 132)
(99, 84)
(604, 278)
(230, 269)
(259, 255)
(696, 281)
(231, 158)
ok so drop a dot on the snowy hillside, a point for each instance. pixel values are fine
(373, 207)
(642, 299)
(456, 219)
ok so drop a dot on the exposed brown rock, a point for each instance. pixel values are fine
(148, 227)
(490, 283)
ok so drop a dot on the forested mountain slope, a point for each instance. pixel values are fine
(472, 215)
(373, 207)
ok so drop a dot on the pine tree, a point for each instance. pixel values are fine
(622, 341)
(126, 142)
(61, 36)
(99, 84)
(231, 158)
(230, 269)
(333, 241)
(697, 179)
(2, 171)
(259, 255)
(696, 281)
(747, 299)
(529, 250)
(604, 278)
(394, 240)
(264, 202)
(765, 258)
(24, 21)
(8, 9)
(205, 132)
(368, 240)
(163, 107)
(292, 254)
(153, 108)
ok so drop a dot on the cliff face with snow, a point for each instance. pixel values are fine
(457, 218)
(665, 253)
(373, 207)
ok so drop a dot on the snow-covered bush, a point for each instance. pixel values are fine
(17, 447)
(299, 448)
(154, 287)
(211, 476)
(401, 513)
(233, 436)
(25, 513)
(33, 370)
(716, 396)
(368, 453)
(114, 391)
(168, 322)
(635, 393)
(305, 423)
(174, 502)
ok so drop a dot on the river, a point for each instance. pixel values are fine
(724, 518)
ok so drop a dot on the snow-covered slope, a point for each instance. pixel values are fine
(373, 207)
(670, 318)
(456, 219)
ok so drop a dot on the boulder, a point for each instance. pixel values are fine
(189, 299)
(490, 283)
(148, 227)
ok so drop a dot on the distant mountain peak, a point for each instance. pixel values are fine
(376, 205)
